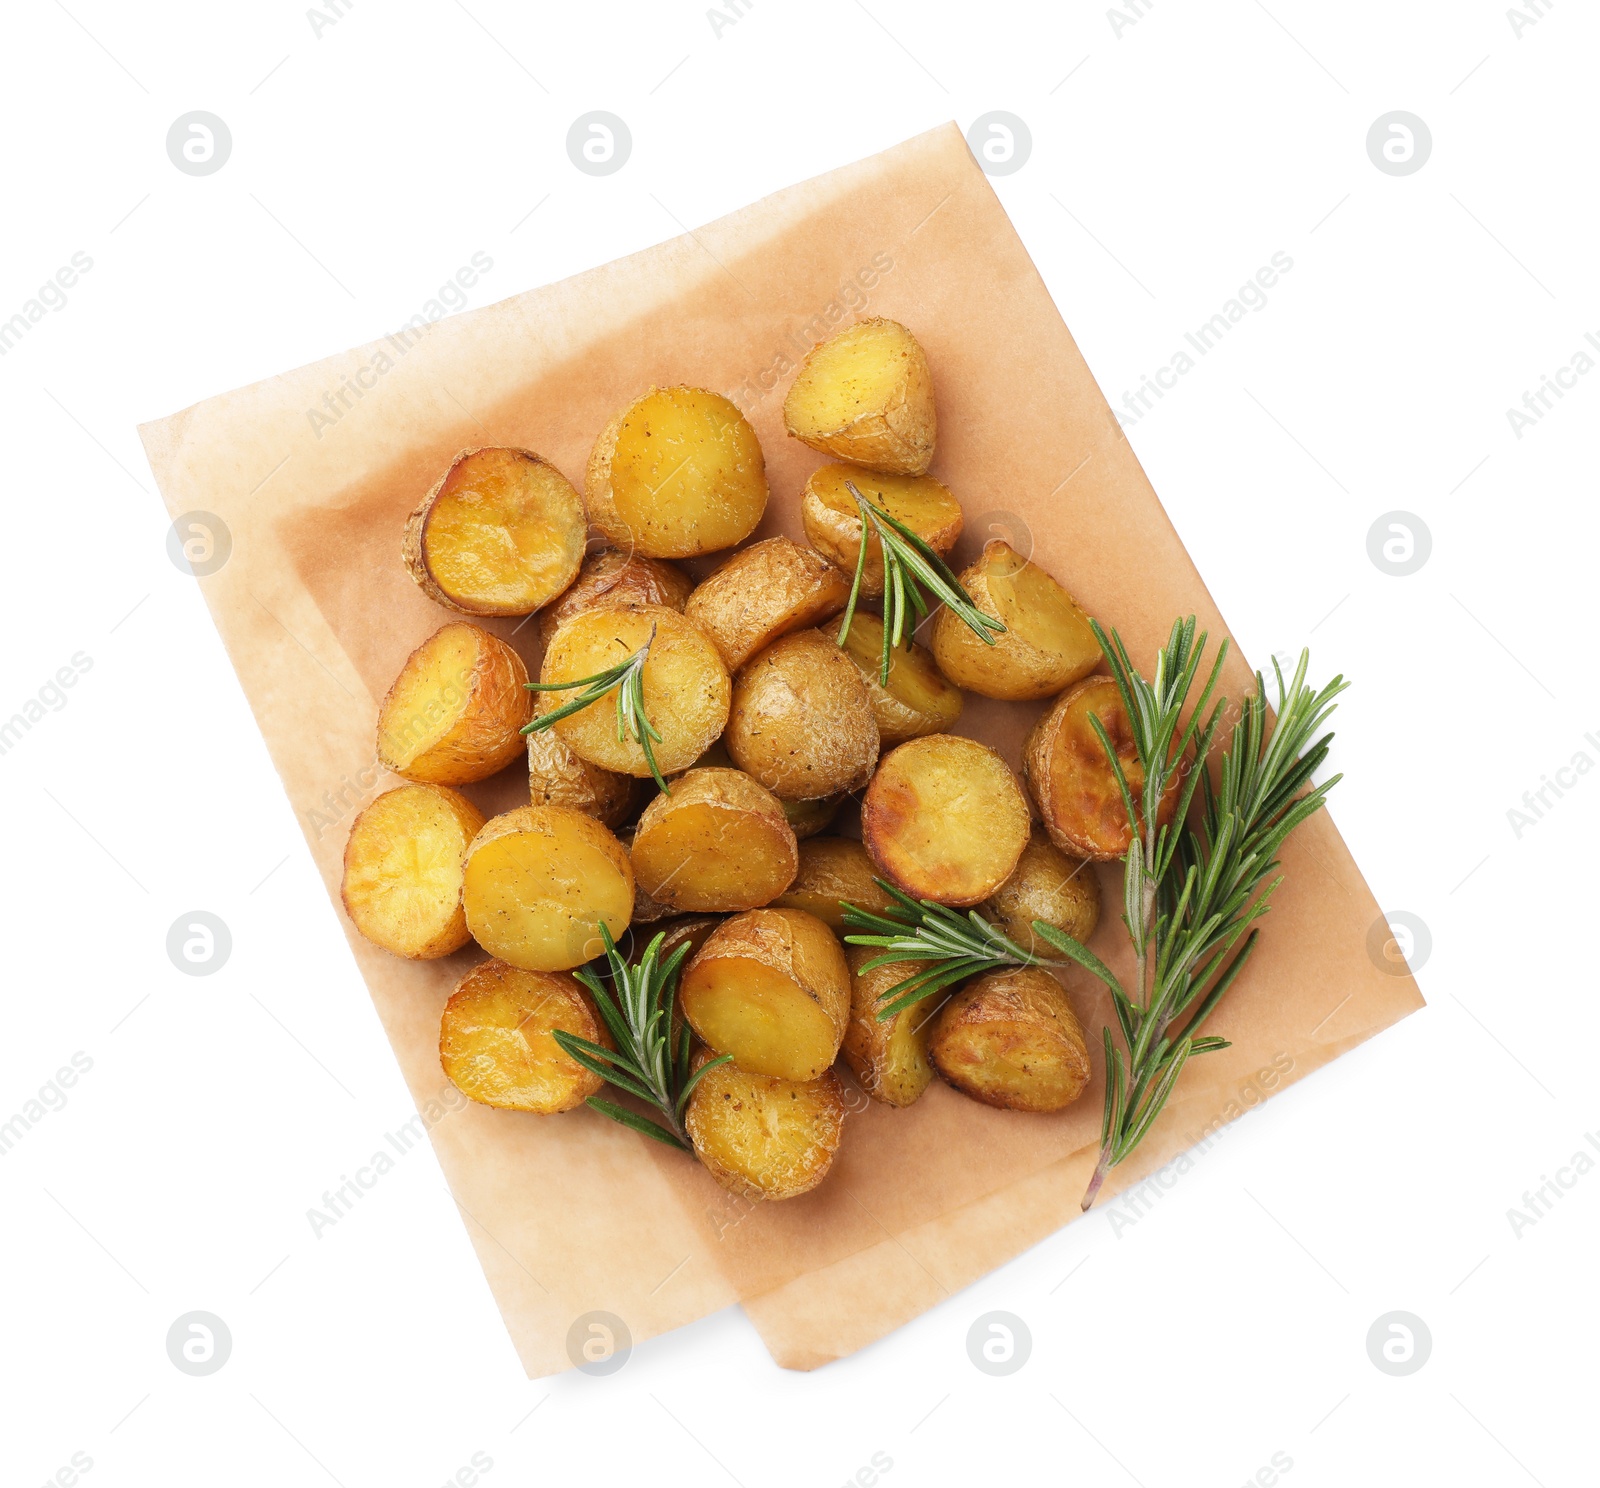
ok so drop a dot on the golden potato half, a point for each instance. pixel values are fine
(1071, 780)
(917, 699)
(455, 713)
(497, 1044)
(866, 395)
(762, 592)
(771, 988)
(403, 870)
(801, 720)
(501, 534)
(833, 870)
(677, 472)
(1047, 885)
(945, 819)
(686, 687)
(833, 520)
(1046, 645)
(610, 578)
(889, 1057)
(1010, 1039)
(558, 777)
(718, 843)
(765, 1138)
(539, 883)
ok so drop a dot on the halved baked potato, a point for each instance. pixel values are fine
(917, 699)
(762, 1137)
(610, 578)
(832, 519)
(762, 592)
(1011, 1039)
(833, 870)
(1047, 885)
(559, 777)
(889, 1056)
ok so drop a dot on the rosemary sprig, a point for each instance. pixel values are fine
(638, 1012)
(915, 578)
(627, 677)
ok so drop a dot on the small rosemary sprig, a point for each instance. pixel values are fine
(627, 678)
(638, 1012)
(914, 578)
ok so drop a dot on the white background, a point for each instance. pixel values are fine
(1171, 158)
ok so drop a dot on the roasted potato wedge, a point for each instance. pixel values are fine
(501, 534)
(539, 883)
(763, 592)
(833, 869)
(678, 472)
(917, 699)
(945, 819)
(889, 1057)
(455, 713)
(610, 578)
(1010, 1039)
(403, 870)
(718, 843)
(833, 520)
(1071, 780)
(771, 988)
(497, 1044)
(866, 395)
(1047, 885)
(686, 687)
(1046, 645)
(801, 720)
(558, 777)
(807, 818)
(762, 1137)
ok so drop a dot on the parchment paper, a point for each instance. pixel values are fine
(313, 473)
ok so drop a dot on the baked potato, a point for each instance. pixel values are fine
(609, 578)
(917, 699)
(866, 395)
(832, 519)
(645, 909)
(1047, 885)
(678, 472)
(497, 1044)
(763, 592)
(455, 713)
(403, 870)
(807, 818)
(501, 534)
(833, 869)
(1010, 1039)
(558, 777)
(771, 988)
(1046, 645)
(540, 881)
(945, 819)
(801, 720)
(888, 1057)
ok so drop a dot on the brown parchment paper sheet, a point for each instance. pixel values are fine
(314, 472)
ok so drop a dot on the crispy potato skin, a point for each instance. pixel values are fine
(765, 1138)
(403, 869)
(1010, 1039)
(801, 720)
(888, 1057)
(866, 395)
(808, 818)
(917, 700)
(502, 533)
(718, 843)
(763, 592)
(677, 472)
(558, 777)
(1047, 885)
(455, 713)
(832, 519)
(610, 578)
(833, 869)
(496, 1042)
(945, 819)
(1071, 780)
(1047, 644)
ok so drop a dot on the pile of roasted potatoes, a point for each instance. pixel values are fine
(764, 724)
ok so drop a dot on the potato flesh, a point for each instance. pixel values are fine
(1011, 1039)
(609, 579)
(833, 870)
(1047, 885)
(832, 519)
(765, 1138)
(764, 592)
(917, 700)
(888, 1056)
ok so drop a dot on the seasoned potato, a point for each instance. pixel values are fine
(456, 711)
(1071, 780)
(765, 1138)
(833, 869)
(771, 988)
(763, 592)
(889, 1057)
(539, 883)
(1011, 1039)
(696, 929)
(608, 579)
(1046, 645)
(558, 777)
(833, 520)
(718, 843)
(501, 534)
(678, 472)
(1047, 885)
(403, 869)
(807, 818)
(645, 909)
(686, 687)
(497, 1044)
(945, 819)
(917, 700)
(866, 395)
(801, 720)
